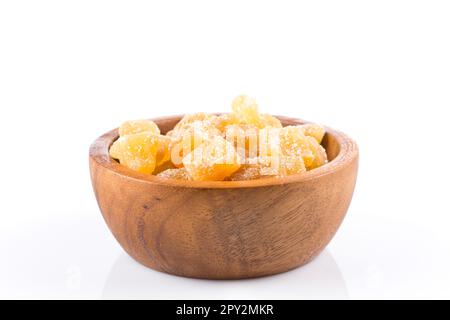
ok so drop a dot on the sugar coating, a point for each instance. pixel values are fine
(245, 110)
(237, 146)
(141, 151)
(138, 126)
(313, 130)
(247, 172)
(190, 132)
(178, 174)
(214, 160)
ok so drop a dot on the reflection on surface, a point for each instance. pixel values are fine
(319, 279)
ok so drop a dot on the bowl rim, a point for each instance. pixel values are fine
(99, 153)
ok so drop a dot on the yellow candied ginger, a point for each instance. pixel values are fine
(245, 110)
(313, 130)
(178, 174)
(221, 122)
(215, 159)
(253, 171)
(244, 138)
(138, 126)
(319, 153)
(188, 119)
(141, 151)
(189, 133)
(281, 165)
(247, 172)
(294, 143)
(241, 145)
(275, 165)
(270, 121)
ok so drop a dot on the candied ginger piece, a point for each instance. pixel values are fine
(281, 165)
(198, 125)
(245, 110)
(141, 151)
(241, 145)
(222, 121)
(319, 153)
(190, 118)
(270, 166)
(215, 159)
(244, 138)
(187, 138)
(253, 171)
(246, 172)
(294, 143)
(283, 152)
(269, 142)
(179, 174)
(313, 130)
(291, 165)
(192, 126)
(270, 121)
(138, 126)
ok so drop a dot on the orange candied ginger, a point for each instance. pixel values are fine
(138, 126)
(178, 174)
(252, 172)
(141, 151)
(313, 130)
(245, 110)
(189, 133)
(140, 146)
(215, 159)
(241, 145)
(244, 138)
(295, 143)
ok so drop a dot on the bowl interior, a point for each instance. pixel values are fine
(341, 150)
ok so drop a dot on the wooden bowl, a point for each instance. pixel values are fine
(225, 229)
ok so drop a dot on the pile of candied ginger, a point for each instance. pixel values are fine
(241, 145)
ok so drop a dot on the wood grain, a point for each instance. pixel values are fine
(225, 229)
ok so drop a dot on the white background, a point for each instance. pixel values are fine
(377, 70)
